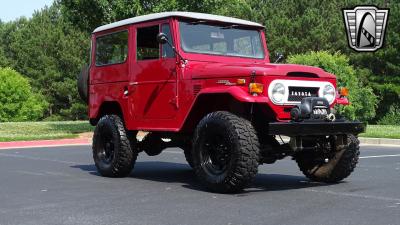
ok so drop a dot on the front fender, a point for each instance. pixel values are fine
(239, 93)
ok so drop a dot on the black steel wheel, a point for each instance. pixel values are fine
(225, 152)
(114, 150)
(215, 154)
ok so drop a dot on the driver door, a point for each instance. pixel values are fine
(154, 74)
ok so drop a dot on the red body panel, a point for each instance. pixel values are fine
(162, 92)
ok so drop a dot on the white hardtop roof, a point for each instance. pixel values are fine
(191, 15)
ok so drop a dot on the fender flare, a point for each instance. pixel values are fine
(236, 93)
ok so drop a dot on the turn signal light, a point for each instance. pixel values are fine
(241, 81)
(256, 88)
(344, 91)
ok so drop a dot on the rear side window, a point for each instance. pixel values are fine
(147, 44)
(112, 48)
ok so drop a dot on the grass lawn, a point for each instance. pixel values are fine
(25, 131)
(382, 131)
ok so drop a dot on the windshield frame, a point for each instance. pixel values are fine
(259, 30)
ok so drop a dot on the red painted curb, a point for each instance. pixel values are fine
(44, 143)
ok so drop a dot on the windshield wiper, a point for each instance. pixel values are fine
(237, 26)
(233, 26)
(197, 22)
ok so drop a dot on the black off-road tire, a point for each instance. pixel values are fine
(111, 136)
(188, 155)
(339, 167)
(186, 145)
(240, 155)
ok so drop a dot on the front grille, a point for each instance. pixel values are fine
(296, 94)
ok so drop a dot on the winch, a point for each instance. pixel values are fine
(312, 108)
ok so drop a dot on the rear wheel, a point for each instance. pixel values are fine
(114, 149)
(225, 152)
(339, 166)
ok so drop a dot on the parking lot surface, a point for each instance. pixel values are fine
(60, 185)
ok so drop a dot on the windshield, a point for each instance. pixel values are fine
(227, 40)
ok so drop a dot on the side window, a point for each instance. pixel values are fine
(147, 45)
(167, 51)
(112, 48)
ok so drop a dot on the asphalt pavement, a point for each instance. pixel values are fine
(60, 185)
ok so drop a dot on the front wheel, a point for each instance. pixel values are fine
(339, 166)
(114, 150)
(225, 152)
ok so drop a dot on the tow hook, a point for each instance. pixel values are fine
(331, 117)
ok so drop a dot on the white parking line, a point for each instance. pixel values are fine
(378, 156)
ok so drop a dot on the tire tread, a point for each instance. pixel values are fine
(246, 165)
(125, 155)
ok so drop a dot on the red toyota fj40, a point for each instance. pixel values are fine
(205, 83)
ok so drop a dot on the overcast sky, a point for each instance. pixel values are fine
(13, 9)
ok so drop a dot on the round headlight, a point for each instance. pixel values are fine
(329, 93)
(278, 93)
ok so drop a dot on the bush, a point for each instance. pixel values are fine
(54, 117)
(363, 100)
(78, 111)
(389, 94)
(392, 117)
(17, 100)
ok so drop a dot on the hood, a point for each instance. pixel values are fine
(202, 70)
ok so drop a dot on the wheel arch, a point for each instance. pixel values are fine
(210, 102)
(107, 108)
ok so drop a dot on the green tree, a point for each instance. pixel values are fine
(392, 117)
(51, 47)
(50, 51)
(3, 59)
(89, 14)
(363, 101)
(17, 100)
(384, 66)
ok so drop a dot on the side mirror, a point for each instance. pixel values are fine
(162, 38)
(279, 57)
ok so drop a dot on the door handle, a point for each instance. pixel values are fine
(126, 91)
